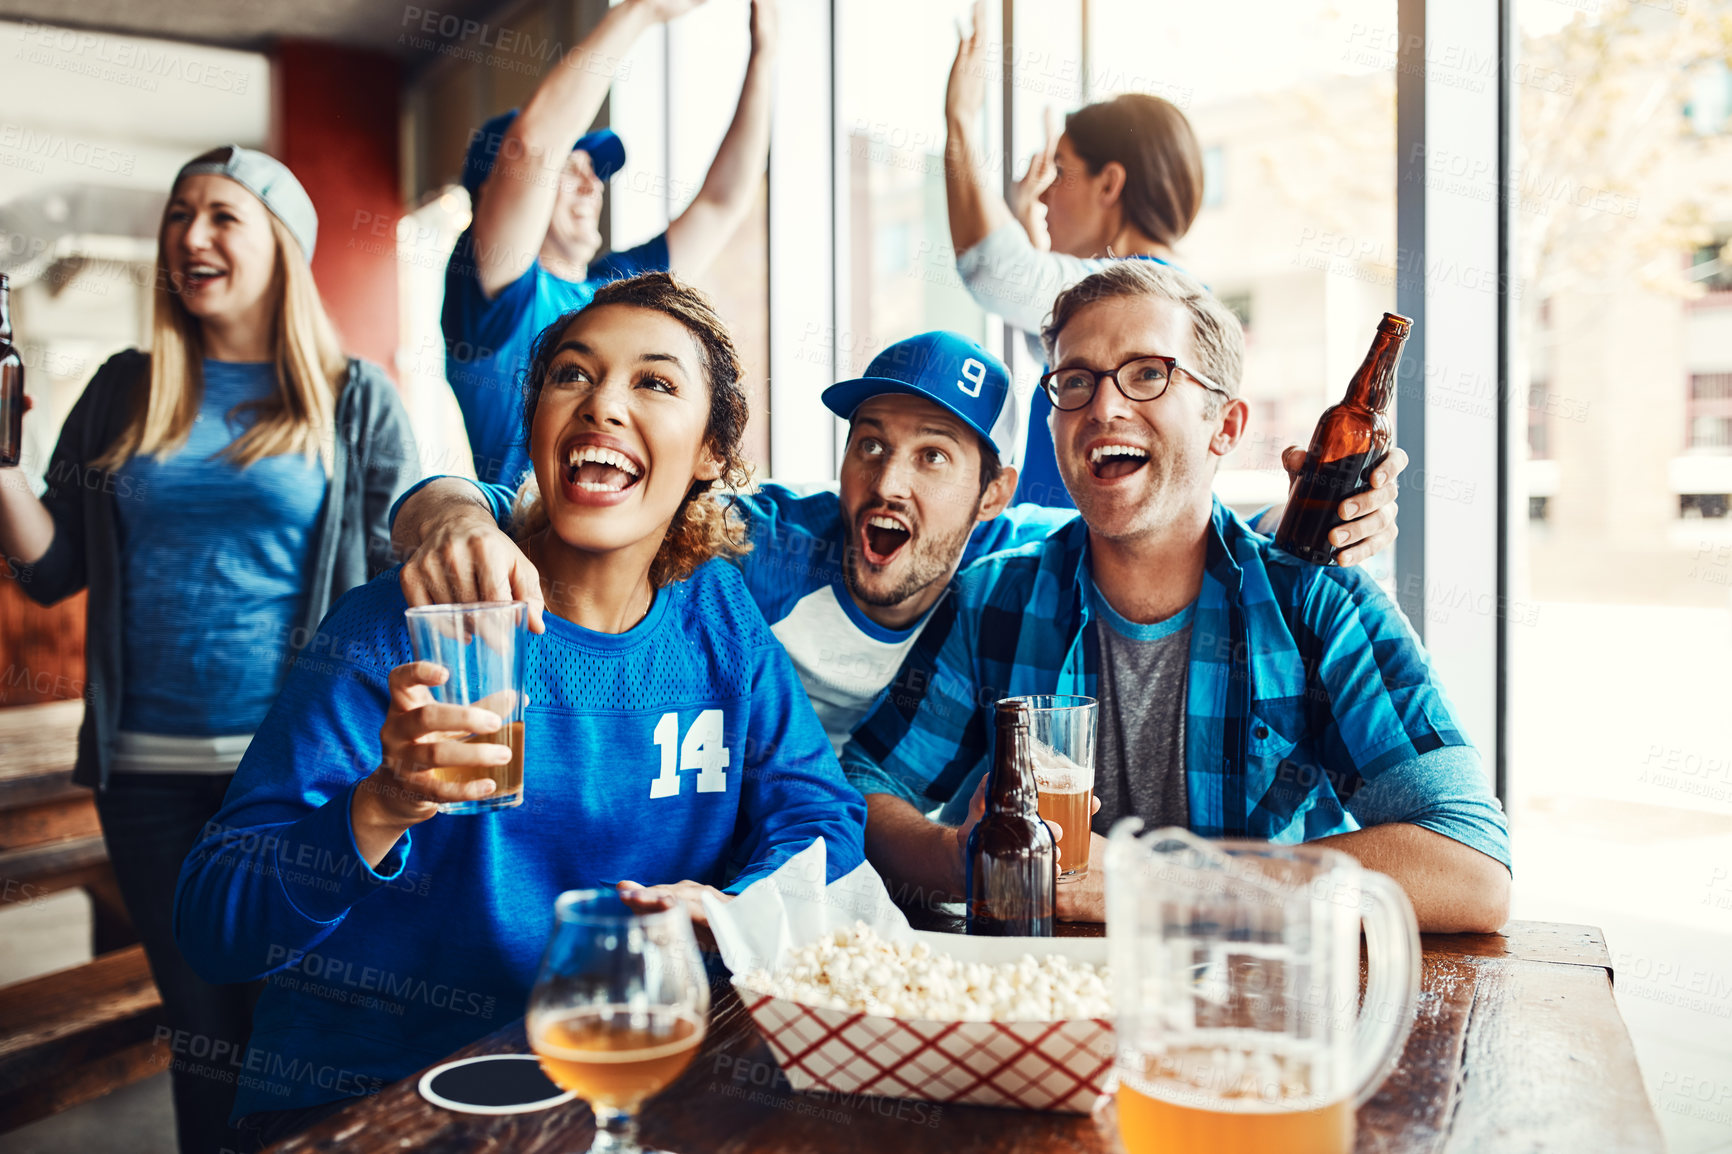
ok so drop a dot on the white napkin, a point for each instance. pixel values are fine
(793, 907)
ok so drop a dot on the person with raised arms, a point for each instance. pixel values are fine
(1122, 180)
(536, 180)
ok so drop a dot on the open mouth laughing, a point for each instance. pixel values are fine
(1112, 460)
(198, 276)
(595, 471)
(882, 536)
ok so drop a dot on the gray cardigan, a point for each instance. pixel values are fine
(373, 460)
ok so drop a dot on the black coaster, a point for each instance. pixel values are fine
(492, 1084)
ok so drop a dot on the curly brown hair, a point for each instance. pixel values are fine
(703, 527)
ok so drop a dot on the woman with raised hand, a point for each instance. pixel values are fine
(214, 495)
(669, 749)
(1123, 181)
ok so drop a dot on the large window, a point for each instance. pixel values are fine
(895, 270)
(1620, 761)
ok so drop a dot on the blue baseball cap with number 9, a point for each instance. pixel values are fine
(946, 368)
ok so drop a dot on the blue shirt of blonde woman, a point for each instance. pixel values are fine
(213, 567)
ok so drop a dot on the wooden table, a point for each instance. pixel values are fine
(1518, 1047)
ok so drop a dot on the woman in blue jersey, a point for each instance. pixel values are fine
(213, 495)
(667, 739)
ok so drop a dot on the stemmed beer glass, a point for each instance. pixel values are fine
(619, 1008)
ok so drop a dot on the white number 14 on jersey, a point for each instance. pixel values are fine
(702, 750)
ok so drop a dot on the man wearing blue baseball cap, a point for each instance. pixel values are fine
(536, 180)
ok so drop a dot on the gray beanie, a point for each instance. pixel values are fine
(267, 178)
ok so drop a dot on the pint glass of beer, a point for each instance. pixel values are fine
(1062, 729)
(482, 645)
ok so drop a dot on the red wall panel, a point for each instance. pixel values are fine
(336, 124)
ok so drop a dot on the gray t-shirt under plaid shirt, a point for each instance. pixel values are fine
(1140, 722)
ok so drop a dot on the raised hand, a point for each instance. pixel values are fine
(766, 25)
(1024, 199)
(965, 95)
(1084, 899)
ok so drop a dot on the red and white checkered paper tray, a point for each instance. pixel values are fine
(1062, 1065)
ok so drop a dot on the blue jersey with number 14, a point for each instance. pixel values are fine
(680, 749)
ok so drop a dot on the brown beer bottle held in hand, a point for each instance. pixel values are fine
(1012, 858)
(11, 385)
(1350, 441)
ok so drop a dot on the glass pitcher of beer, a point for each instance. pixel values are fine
(1236, 985)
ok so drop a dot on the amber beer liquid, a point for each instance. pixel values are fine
(1150, 1125)
(11, 385)
(612, 1057)
(508, 778)
(1063, 799)
(1070, 812)
(1012, 858)
(1350, 441)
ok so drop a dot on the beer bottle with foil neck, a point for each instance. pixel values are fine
(1012, 858)
(1350, 441)
(11, 385)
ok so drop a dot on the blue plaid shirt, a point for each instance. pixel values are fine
(1305, 684)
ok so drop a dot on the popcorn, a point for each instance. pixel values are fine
(858, 971)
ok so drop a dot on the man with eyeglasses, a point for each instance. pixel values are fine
(1242, 693)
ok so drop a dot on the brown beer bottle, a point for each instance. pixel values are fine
(1012, 858)
(11, 385)
(1350, 441)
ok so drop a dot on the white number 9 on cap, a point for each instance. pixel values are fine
(973, 373)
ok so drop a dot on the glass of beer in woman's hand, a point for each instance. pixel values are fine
(619, 1008)
(481, 645)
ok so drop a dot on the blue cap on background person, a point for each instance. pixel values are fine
(267, 178)
(606, 151)
(946, 368)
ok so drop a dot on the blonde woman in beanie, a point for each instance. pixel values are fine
(213, 494)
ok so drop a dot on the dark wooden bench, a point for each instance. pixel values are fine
(76, 1034)
(50, 839)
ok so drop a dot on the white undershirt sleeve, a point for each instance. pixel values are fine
(1007, 276)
